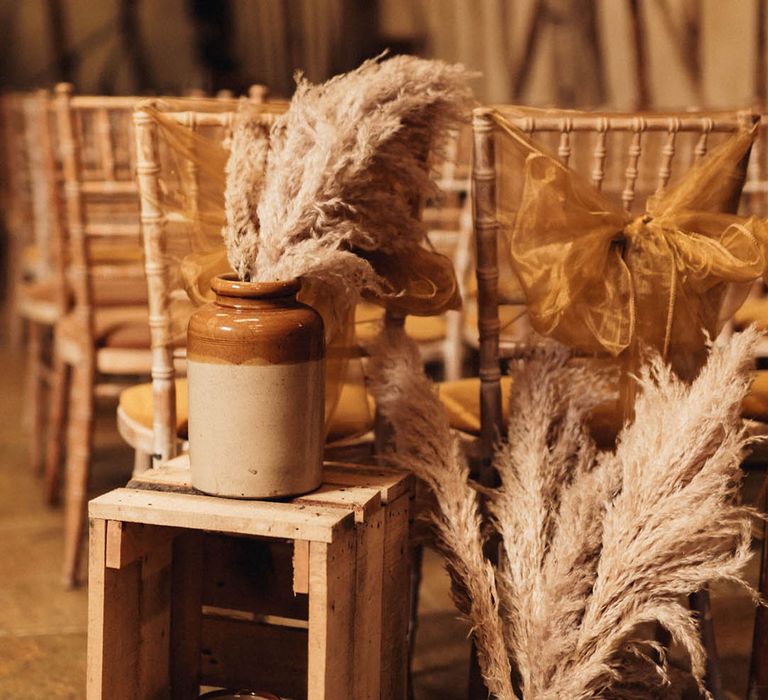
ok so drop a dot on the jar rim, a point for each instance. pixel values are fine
(229, 285)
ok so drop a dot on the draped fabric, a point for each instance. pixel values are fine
(605, 282)
(192, 182)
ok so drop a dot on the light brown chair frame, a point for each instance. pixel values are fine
(85, 359)
(486, 228)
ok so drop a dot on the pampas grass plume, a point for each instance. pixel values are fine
(346, 165)
(595, 545)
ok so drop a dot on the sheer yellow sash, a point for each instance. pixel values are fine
(601, 281)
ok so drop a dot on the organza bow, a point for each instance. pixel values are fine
(601, 281)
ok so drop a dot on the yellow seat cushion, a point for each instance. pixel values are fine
(30, 256)
(353, 416)
(755, 404)
(423, 329)
(461, 399)
(753, 310)
(136, 403)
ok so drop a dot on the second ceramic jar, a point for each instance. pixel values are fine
(256, 391)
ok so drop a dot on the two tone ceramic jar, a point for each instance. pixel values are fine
(255, 362)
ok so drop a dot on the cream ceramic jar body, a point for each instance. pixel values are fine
(256, 392)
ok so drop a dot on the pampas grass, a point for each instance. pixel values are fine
(594, 545)
(346, 164)
(424, 443)
(244, 185)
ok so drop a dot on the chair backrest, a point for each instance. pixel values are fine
(47, 194)
(104, 253)
(628, 156)
(756, 187)
(166, 230)
(17, 204)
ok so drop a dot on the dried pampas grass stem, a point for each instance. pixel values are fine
(595, 545)
(347, 163)
(423, 443)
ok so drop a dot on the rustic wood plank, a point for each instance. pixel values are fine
(113, 624)
(261, 518)
(369, 573)
(186, 616)
(266, 657)
(300, 567)
(155, 618)
(97, 548)
(396, 600)
(127, 542)
(172, 473)
(364, 502)
(332, 581)
(392, 483)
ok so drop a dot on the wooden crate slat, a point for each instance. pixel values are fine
(362, 500)
(391, 483)
(260, 518)
(332, 584)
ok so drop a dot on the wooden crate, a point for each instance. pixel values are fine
(307, 598)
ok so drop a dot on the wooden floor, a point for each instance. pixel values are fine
(42, 626)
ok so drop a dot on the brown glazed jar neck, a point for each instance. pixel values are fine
(237, 294)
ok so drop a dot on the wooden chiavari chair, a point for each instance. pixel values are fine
(105, 336)
(39, 293)
(630, 157)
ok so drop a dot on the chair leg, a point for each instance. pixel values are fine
(56, 433)
(758, 667)
(36, 396)
(701, 604)
(78, 460)
(142, 461)
(14, 323)
(453, 346)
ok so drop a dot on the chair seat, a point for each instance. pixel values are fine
(461, 399)
(753, 310)
(353, 416)
(113, 326)
(120, 336)
(136, 403)
(38, 301)
(423, 329)
(755, 404)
